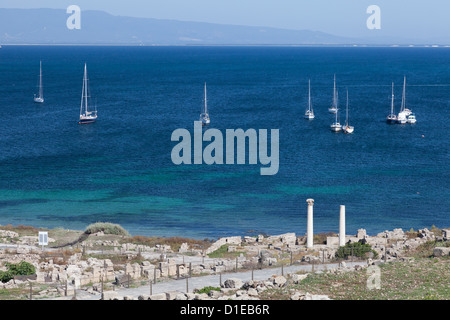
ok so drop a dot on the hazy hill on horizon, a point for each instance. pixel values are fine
(48, 26)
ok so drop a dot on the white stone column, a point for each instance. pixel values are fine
(309, 227)
(342, 226)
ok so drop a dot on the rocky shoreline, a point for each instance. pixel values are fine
(102, 262)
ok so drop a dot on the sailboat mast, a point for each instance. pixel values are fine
(84, 92)
(337, 110)
(206, 103)
(392, 102)
(334, 93)
(346, 112)
(309, 95)
(40, 80)
(82, 97)
(404, 95)
(86, 88)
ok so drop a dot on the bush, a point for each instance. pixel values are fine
(107, 228)
(358, 249)
(5, 276)
(207, 290)
(21, 269)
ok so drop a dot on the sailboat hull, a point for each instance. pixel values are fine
(204, 118)
(348, 129)
(401, 118)
(86, 121)
(391, 120)
(38, 100)
(336, 127)
(309, 115)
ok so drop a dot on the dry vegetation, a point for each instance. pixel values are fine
(173, 242)
(23, 230)
(423, 278)
(62, 236)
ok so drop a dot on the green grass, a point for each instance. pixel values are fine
(423, 279)
(207, 290)
(222, 252)
(14, 294)
(22, 292)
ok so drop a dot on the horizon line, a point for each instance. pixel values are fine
(233, 45)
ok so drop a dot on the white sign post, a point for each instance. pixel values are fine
(43, 239)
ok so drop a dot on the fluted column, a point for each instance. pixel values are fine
(310, 233)
(342, 226)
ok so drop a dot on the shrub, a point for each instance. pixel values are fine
(358, 249)
(21, 269)
(207, 290)
(5, 276)
(107, 228)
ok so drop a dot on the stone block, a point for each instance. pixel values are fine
(171, 295)
(109, 295)
(441, 252)
(332, 241)
(279, 281)
(233, 283)
(158, 296)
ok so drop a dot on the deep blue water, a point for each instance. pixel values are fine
(56, 173)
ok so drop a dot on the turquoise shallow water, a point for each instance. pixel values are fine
(56, 173)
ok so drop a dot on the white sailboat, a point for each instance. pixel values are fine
(40, 97)
(336, 126)
(402, 117)
(334, 108)
(86, 116)
(309, 114)
(392, 117)
(204, 116)
(346, 128)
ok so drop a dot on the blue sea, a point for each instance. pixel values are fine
(57, 173)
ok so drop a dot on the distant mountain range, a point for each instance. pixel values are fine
(48, 26)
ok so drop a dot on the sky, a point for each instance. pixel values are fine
(408, 19)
